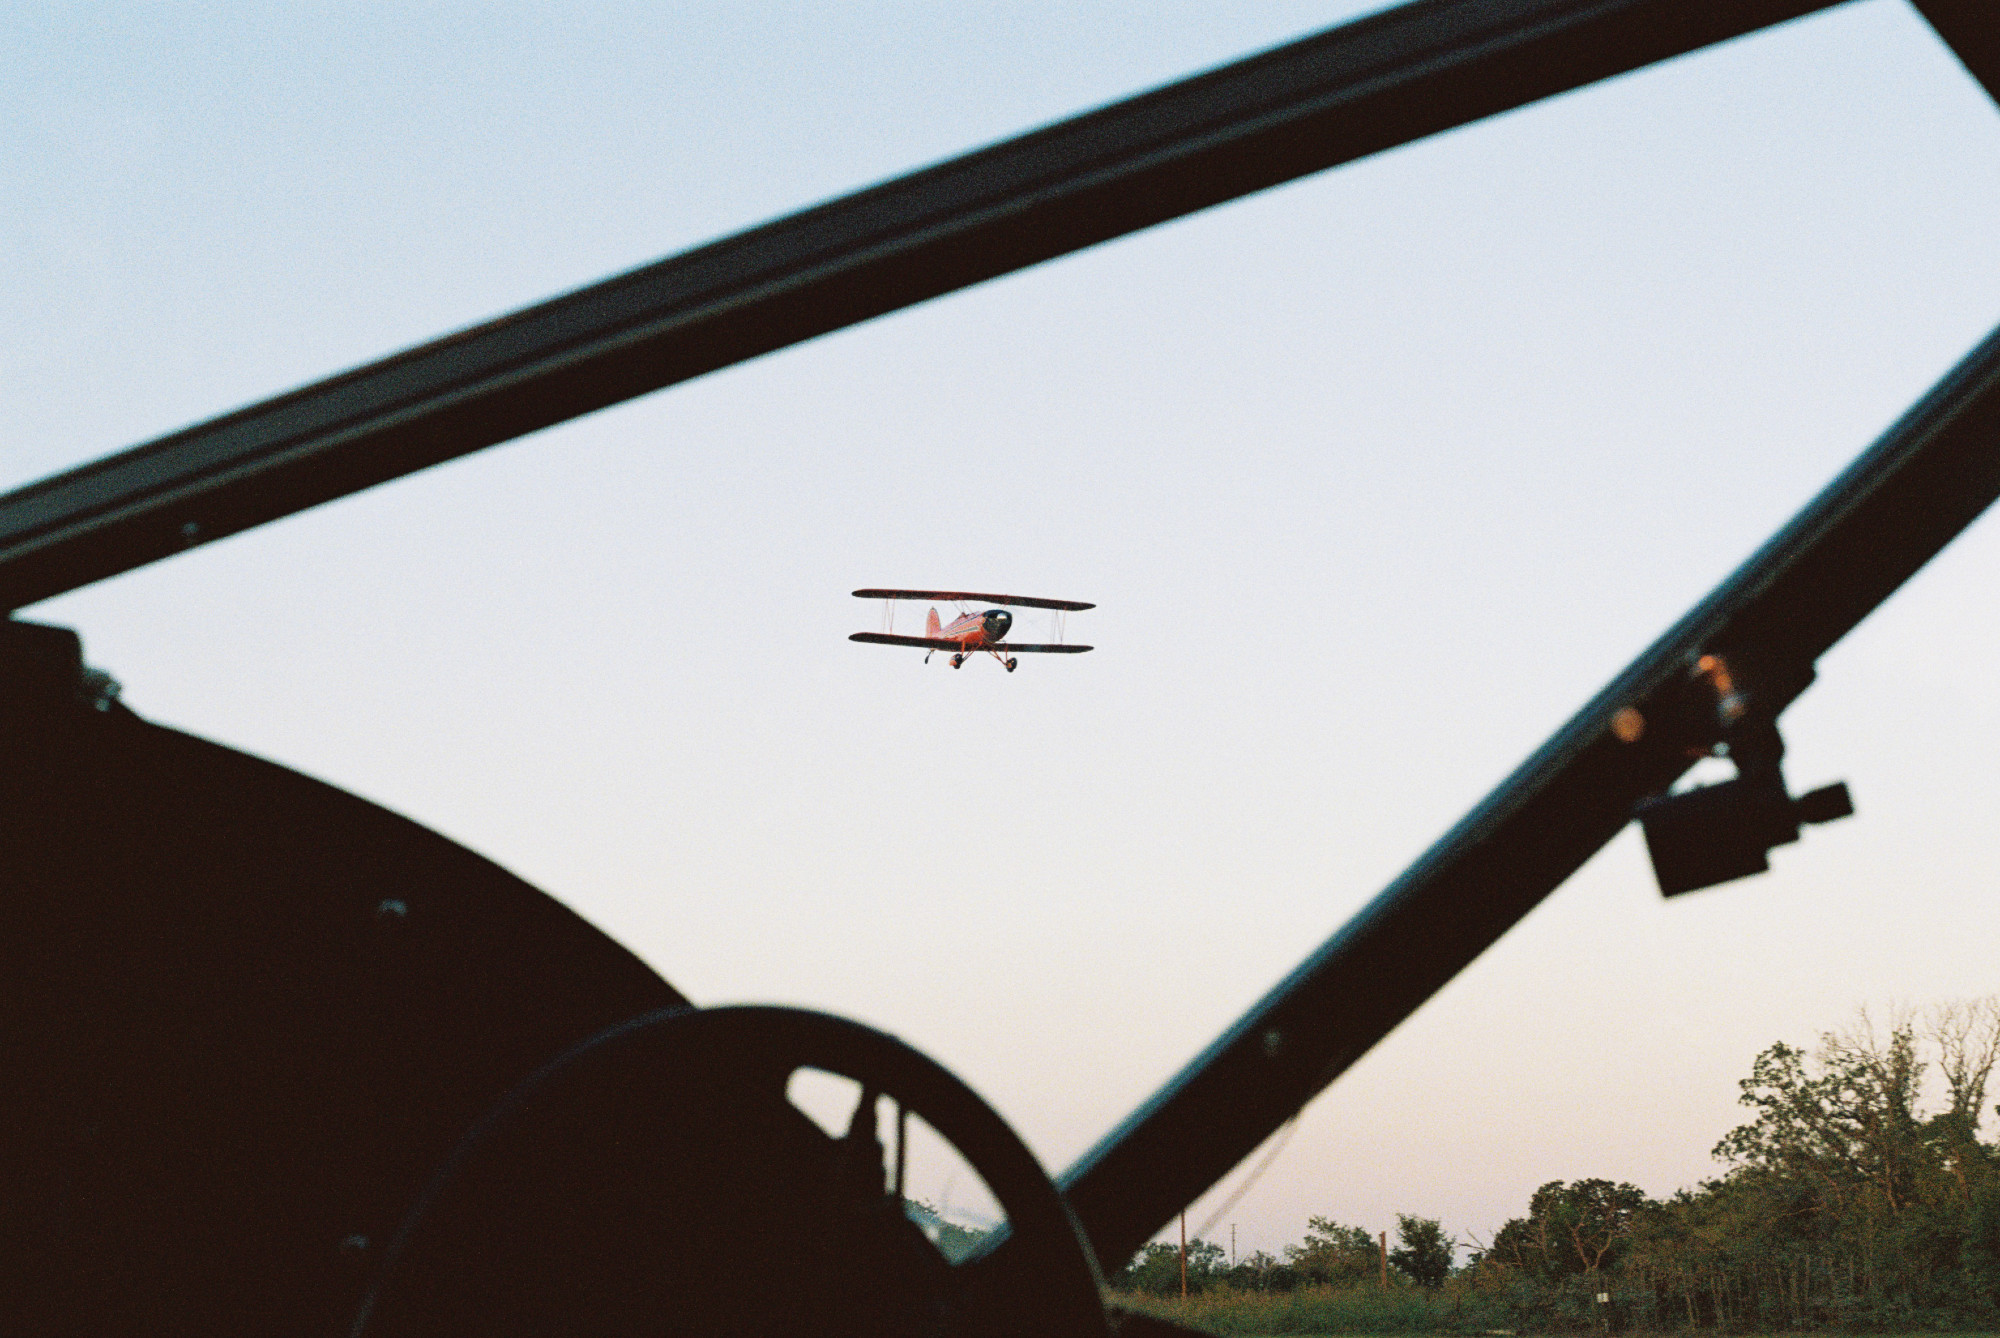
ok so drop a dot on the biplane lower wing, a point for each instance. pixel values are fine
(968, 597)
(938, 643)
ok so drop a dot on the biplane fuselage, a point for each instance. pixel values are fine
(975, 631)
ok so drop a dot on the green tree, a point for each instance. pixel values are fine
(1571, 1229)
(1850, 1198)
(1896, 1200)
(1334, 1253)
(1261, 1272)
(1156, 1269)
(1423, 1252)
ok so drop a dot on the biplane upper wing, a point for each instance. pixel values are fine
(967, 597)
(938, 643)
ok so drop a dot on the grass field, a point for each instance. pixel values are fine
(1320, 1310)
(1354, 1313)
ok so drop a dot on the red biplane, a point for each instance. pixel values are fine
(972, 631)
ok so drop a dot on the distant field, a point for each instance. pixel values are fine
(1327, 1312)
(1320, 1310)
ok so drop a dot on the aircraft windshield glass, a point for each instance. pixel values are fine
(1373, 480)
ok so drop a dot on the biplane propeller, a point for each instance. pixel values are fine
(972, 631)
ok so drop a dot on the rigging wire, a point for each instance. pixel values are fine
(1284, 1136)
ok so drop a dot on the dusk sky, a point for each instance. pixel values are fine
(1375, 478)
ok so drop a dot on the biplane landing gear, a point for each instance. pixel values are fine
(1010, 662)
(645, 1182)
(957, 660)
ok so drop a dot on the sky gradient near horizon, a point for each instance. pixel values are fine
(1374, 477)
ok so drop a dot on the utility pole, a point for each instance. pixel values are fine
(1183, 1254)
(1232, 1244)
(1382, 1240)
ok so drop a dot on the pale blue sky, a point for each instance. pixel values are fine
(1375, 478)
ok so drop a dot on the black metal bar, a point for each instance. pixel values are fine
(1353, 90)
(1918, 486)
(1971, 28)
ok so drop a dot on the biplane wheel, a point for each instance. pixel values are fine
(957, 660)
(645, 1182)
(1011, 663)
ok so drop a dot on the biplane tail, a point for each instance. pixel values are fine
(932, 626)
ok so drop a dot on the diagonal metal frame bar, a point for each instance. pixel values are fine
(1928, 477)
(1354, 90)
(1969, 29)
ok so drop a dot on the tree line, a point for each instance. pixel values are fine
(1859, 1195)
(1330, 1255)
